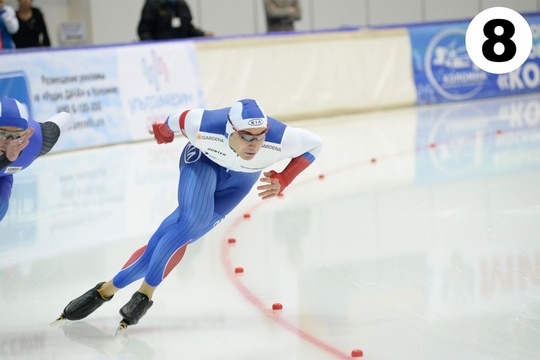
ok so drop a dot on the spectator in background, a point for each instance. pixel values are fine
(281, 14)
(8, 26)
(167, 19)
(32, 28)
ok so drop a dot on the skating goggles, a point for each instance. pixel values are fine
(7, 135)
(249, 137)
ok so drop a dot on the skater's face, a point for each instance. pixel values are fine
(247, 143)
(7, 135)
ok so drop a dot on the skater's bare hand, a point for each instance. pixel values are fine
(15, 146)
(271, 187)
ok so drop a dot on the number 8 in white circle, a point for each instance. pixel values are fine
(498, 40)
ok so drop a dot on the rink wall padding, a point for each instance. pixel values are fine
(310, 75)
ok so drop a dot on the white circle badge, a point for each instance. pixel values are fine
(498, 40)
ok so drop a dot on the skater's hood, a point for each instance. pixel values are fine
(246, 114)
(13, 113)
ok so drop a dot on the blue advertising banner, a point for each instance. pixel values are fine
(444, 72)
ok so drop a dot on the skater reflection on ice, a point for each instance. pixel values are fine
(97, 339)
(228, 150)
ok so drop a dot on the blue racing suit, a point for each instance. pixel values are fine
(213, 181)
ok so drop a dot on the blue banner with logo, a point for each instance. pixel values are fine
(444, 72)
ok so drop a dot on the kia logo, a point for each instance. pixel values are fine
(255, 122)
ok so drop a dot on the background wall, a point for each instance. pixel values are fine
(115, 21)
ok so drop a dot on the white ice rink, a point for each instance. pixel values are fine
(414, 236)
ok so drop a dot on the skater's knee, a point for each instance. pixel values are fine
(195, 221)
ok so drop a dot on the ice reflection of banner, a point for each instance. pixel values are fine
(19, 228)
(475, 281)
(68, 201)
(60, 201)
(478, 138)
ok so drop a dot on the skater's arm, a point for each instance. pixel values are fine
(302, 147)
(52, 128)
(185, 121)
(50, 132)
(276, 182)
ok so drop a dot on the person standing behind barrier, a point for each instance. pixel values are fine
(167, 19)
(22, 141)
(8, 26)
(32, 28)
(281, 14)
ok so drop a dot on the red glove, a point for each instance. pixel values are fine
(281, 178)
(295, 167)
(162, 133)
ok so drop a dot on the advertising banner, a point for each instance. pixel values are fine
(113, 93)
(444, 72)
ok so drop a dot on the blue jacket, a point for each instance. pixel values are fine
(6, 41)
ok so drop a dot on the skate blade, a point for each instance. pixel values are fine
(59, 322)
(120, 331)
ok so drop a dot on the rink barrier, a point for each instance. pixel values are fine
(116, 92)
(310, 75)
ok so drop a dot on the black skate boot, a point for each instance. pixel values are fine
(85, 304)
(135, 308)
